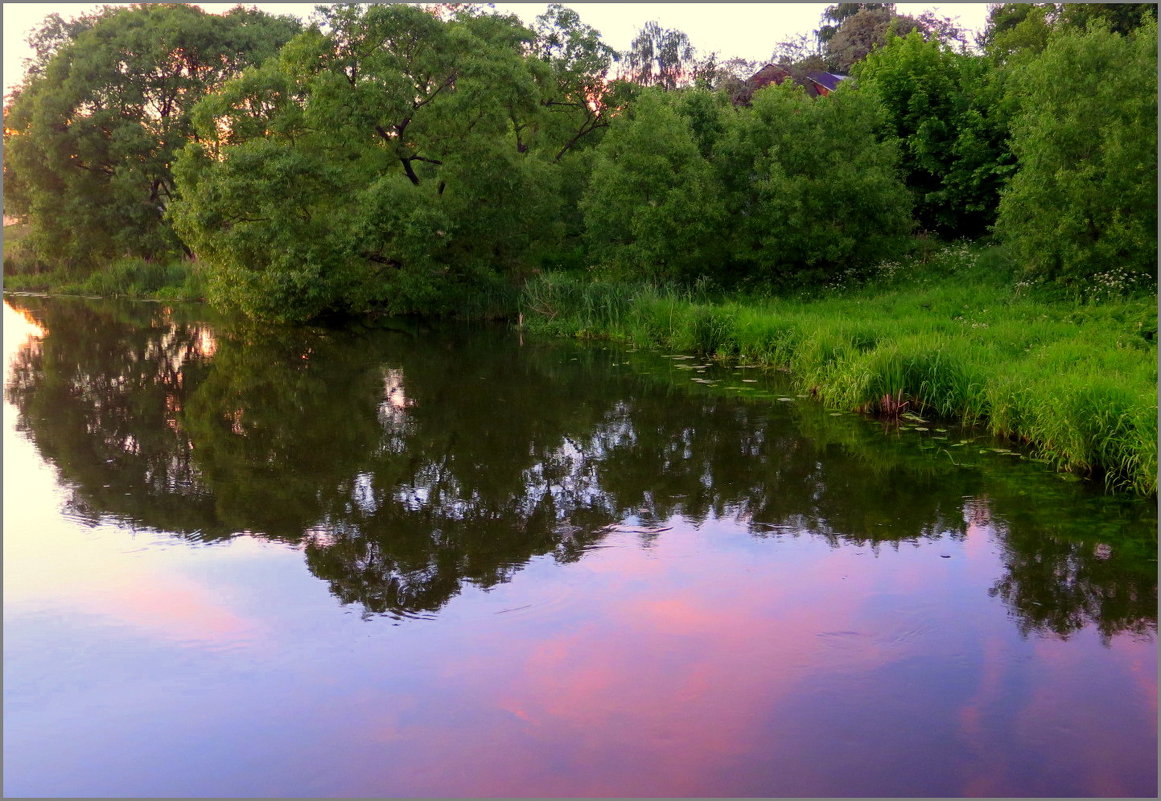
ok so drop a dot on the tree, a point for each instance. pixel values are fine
(839, 13)
(940, 106)
(862, 32)
(1122, 18)
(852, 30)
(798, 52)
(728, 77)
(579, 108)
(660, 57)
(809, 187)
(653, 207)
(396, 162)
(91, 136)
(53, 33)
(943, 30)
(1084, 203)
(1021, 30)
(580, 64)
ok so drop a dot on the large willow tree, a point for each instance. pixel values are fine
(390, 159)
(91, 136)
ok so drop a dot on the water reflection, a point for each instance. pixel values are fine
(408, 464)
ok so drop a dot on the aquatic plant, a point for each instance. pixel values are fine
(952, 338)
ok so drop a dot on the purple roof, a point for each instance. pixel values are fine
(828, 79)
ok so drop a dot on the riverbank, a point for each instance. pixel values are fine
(952, 337)
(171, 280)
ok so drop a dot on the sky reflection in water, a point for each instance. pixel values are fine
(532, 571)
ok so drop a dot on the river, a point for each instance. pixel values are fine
(428, 560)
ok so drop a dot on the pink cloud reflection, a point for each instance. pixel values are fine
(667, 686)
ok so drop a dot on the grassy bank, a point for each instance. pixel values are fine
(129, 278)
(953, 337)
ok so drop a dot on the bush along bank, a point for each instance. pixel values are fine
(168, 280)
(1074, 379)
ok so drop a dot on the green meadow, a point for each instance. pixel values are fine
(951, 337)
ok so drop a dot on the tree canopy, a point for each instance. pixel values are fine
(91, 136)
(1021, 30)
(941, 107)
(394, 158)
(660, 57)
(390, 159)
(1083, 204)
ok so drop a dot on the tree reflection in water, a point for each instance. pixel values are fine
(408, 463)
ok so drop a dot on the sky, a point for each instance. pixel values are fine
(748, 30)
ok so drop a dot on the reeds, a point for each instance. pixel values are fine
(132, 278)
(1076, 381)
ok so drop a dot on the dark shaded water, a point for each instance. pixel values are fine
(448, 562)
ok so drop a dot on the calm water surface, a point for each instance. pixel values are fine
(243, 561)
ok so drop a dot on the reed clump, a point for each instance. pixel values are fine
(131, 278)
(954, 337)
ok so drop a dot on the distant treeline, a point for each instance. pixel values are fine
(399, 159)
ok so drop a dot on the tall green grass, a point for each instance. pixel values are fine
(952, 337)
(132, 278)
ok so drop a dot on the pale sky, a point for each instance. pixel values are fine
(749, 30)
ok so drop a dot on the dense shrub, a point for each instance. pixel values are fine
(809, 188)
(653, 207)
(685, 186)
(1084, 201)
(941, 107)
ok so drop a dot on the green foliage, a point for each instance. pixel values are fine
(266, 225)
(839, 13)
(707, 114)
(16, 257)
(173, 280)
(808, 186)
(852, 31)
(1018, 31)
(1083, 203)
(578, 61)
(661, 57)
(396, 159)
(685, 186)
(653, 206)
(1122, 18)
(91, 135)
(861, 32)
(942, 106)
(138, 278)
(397, 163)
(53, 33)
(949, 338)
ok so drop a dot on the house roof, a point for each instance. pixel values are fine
(830, 80)
(771, 73)
(815, 83)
